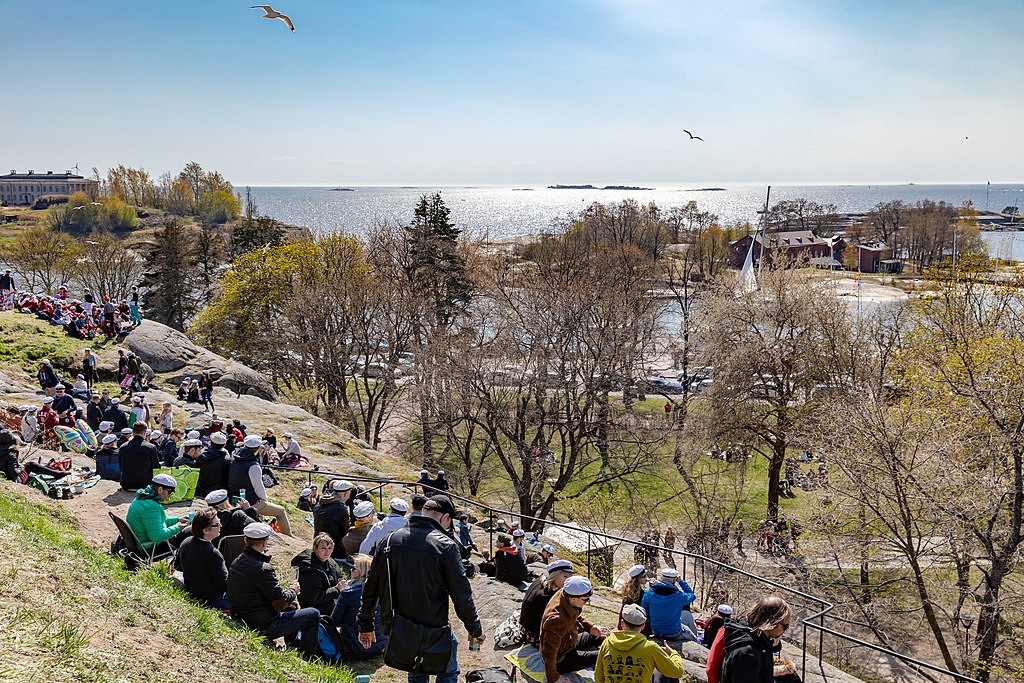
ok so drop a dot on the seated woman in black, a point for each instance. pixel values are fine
(320, 578)
(347, 609)
(206, 575)
(14, 470)
(509, 566)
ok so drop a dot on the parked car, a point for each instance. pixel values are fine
(656, 384)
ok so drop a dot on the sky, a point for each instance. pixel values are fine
(411, 92)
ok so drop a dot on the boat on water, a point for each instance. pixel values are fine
(340, 189)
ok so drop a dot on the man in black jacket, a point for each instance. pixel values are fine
(259, 600)
(93, 412)
(138, 459)
(63, 402)
(115, 416)
(427, 559)
(213, 466)
(331, 515)
(47, 377)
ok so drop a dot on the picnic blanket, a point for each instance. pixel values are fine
(187, 478)
(528, 660)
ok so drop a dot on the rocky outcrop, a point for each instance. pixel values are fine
(10, 386)
(171, 353)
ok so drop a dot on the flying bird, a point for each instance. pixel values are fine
(271, 13)
(692, 136)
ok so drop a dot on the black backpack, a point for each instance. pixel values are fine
(492, 675)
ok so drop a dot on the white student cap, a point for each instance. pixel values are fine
(398, 505)
(636, 570)
(216, 497)
(560, 565)
(257, 530)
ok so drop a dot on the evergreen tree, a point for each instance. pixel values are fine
(254, 231)
(436, 269)
(169, 293)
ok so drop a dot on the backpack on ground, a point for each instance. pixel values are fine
(108, 465)
(492, 675)
(329, 643)
(509, 633)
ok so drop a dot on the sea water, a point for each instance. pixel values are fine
(503, 212)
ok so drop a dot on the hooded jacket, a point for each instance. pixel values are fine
(428, 567)
(356, 535)
(213, 467)
(318, 581)
(559, 631)
(748, 656)
(149, 521)
(664, 604)
(330, 516)
(509, 566)
(629, 657)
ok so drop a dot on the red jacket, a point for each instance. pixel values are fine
(715, 657)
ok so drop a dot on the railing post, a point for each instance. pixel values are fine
(588, 554)
(821, 646)
(803, 646)
(490, 532)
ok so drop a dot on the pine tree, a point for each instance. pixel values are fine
(168, 287)
(436, 268)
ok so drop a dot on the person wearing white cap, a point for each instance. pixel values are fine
(363, 519)
(94, 412)
(261, 602)
(115, 416)
(47, 377)
(632, 591)
(190, 450)
(393, 521)
(517, 540)
(245, 475)
(289, 447)
(426, 483)
(627, 656)
(138, 459)
(147, 516)
(80, 389)
(547, 553)
(331, 515)
(441, 482)
(29, 424)
(426, 564)
(306, 503)
(721, 617)
(213, 465)
(538, 595)
(667, 604)
(139, 411)
(233, 520)
(568, 641)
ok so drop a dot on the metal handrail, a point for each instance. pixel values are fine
(807, 622)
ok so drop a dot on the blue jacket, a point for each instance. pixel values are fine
(346, 609)
(664, 605)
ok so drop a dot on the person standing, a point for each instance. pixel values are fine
(89, 368)
(6, 291)
(133, 306)
(93, 412)
(669, 543)
(414, 573)
(206, 390)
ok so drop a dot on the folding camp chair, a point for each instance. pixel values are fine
(157, 551)
(231, 547)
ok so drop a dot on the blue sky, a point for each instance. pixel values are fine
(397, 92)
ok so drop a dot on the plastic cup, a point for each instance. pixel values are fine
(365, 678)
(191, 516)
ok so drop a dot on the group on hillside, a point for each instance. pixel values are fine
(82, 318)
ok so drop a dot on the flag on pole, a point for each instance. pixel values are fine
(748, 280)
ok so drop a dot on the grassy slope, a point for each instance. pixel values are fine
(72, 613)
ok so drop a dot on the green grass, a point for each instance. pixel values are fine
(73, 613)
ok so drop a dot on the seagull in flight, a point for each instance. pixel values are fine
(692, 136)
(271, 13)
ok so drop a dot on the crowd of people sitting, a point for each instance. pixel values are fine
(797, 478)
(81, 318)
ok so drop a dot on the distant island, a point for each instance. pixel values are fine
(592, 187)
(707, 189)
(340, 189)
(522, 189)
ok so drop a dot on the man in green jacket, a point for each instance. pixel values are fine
(627, 656)
(149, 521)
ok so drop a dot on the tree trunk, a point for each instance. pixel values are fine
(988, 622)
(775, 466)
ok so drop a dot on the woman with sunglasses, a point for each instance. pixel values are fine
(745, 652)
(568, 642)
(206, 575)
